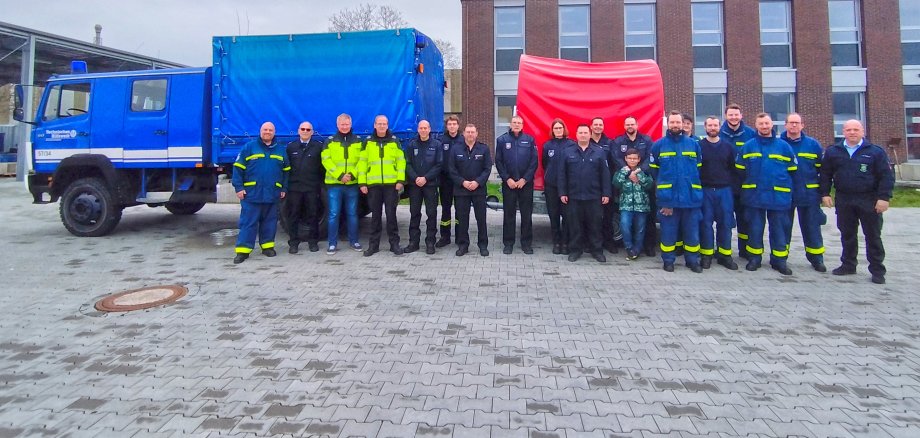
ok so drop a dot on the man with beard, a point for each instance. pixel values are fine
(718, 177)
(735, 132)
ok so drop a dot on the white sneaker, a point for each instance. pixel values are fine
(331, 250)
(357, 247)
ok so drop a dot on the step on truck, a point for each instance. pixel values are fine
(105, 141)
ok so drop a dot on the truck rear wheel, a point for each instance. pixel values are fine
(88, 208)
(184, 208)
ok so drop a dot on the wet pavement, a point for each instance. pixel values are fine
(440, 346)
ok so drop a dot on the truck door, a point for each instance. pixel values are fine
(65, 125)
(146, 123)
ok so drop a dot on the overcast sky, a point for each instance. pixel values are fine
(181, 30)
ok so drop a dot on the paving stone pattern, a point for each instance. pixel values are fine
(441, 346)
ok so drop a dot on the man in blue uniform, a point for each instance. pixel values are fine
(718, 176)
(452, 137)
(260, 177)
(305, 185)
(423, 175)
(735, 132)
(766, 164)
(861, 175)
(516, 162)
(470, 164)
(805, 185)
(633, 139)
(675, 161)
(610, 226)
(584, 187)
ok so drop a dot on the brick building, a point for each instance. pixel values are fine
(831, 60)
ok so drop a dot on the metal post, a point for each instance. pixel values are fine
(24, 154)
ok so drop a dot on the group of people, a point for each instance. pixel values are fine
(601, 193)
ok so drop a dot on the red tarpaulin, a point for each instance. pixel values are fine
(576, 92)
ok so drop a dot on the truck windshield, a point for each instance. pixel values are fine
(67, 100)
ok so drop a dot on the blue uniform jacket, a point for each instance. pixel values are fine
(262, 171)
(585, 174)
(737, 137)
(424, 158)
(866, 173)
(516, 156)
(553, 151)
(718, 168)
(806, 181)
(467, 164)
(675, 162)
(606, 144)
(642, 143)
(766, 165)
(447, 142)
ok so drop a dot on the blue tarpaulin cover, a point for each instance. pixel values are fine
(287, 79)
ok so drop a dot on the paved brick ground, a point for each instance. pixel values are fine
(317, 345)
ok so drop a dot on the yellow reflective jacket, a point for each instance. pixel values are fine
(382, 161)
(341, 156)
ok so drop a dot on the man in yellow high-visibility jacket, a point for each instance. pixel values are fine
(381, 175)
(340, 157)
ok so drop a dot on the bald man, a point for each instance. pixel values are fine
(424, 161)
(260, 178)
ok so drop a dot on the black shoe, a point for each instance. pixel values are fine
(878, 279)
(557, 249)
(508, 249)
(728, 263)
(371, 250)
(565, 250)
(429, 249)
(668, 267)
(442, 242)
(484, 252)
(752, 266)
(240, 258)
(696, 268)
(314, 246)
(527, 250)
(574, 256)
(461, 251)
(413, 247)
(269, 252)
(396, 250)
(650, 252)
(293, 249)
(611, 247)
(599, 256)
(819, 267)
(843, 270)
(782, 269)
(706, 262)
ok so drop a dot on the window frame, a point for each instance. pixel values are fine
(699, 117)
(787, 6)
(860, 107)
(131, 103)
(906, 30)
(627, 33)
(856, 28)
(720, 32)
(498, 36)
(586, 33)
(57, 92)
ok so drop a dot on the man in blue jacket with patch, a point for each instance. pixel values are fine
(766, 164)
(423, 175)
(805, 188)
(736, 133)
(584, 187)
(675, 160)
(470, 164)
(516, 162)
(260, 178)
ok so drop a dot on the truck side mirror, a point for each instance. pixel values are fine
(18, 113)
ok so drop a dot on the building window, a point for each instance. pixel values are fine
(574, 31)
(640, 31)
(148, 95)
(847, 106)
(910, 32)
(775, 34)
(509, 38)
(778, 106)
(845, 38)
(705, 105)
(504, 110)
(707, 35)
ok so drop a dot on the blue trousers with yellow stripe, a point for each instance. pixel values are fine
(718, 210)
(779, 244)
(257, 218)
(682, 225)
(810, 220)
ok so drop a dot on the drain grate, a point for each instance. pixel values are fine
(142, 298)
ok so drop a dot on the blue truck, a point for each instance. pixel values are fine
(102, 142)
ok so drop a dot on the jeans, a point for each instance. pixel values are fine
(350, 194)
(632, 223)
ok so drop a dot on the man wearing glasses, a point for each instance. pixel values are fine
(303, 205)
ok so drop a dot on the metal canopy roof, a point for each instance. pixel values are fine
(54, 53)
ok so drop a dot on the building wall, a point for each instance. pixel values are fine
(478, 66)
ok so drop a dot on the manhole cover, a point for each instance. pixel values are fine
(142, 298)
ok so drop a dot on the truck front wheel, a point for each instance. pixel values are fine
(88, 208)
(184, 208)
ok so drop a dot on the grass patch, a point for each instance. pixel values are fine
(906, 197)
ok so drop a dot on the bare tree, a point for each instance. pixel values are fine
(366, 16)
(449, 53)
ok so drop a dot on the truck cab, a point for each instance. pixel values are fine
(102, 142)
